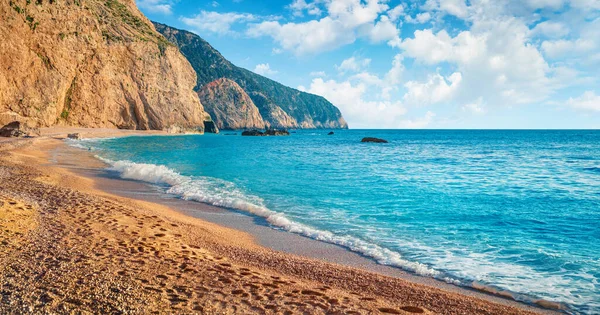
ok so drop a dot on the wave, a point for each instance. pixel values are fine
(225, 194)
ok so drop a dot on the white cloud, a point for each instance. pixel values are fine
(384, 30)
(219, 23)
(346, 21)
(353, 64)
(562, 48)
(457, 8)
(299, 6)
(495, 58)
(587, 101)
(264, 69)
(302, 38)
(550, 29)
(418, 123)
(475, 107)
(585, 46)
(586, 5)
(318, 74)
(156, 6)
(396, 12)
(420, 18)
(387, 83)
(360, 113)
(435, 90)
(541, 4)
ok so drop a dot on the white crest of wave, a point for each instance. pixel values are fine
(225, 194)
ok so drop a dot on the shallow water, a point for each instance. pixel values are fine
(517, 210)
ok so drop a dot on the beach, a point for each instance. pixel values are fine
(72, 243)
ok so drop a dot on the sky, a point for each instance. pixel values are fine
(439, 64)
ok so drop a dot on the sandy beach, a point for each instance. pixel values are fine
(69, 244)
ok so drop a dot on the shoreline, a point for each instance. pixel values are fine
(354, 264)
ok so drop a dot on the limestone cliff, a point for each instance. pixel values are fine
(92, 63)
(230, 106)
(279, 105)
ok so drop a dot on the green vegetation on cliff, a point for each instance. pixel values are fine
(308, 110)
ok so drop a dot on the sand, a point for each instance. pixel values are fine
(67, 246)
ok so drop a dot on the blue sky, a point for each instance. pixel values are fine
(416, 64)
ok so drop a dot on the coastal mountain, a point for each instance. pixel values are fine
(92, 63)
(278, 105)
(230, 106)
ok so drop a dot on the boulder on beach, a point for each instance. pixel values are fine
(13, 129)
(18, 129)
(74, 136)
(373, 140)
(254, 133)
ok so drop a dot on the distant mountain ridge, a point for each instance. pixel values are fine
(278, 105)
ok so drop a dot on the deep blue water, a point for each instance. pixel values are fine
(516, 210)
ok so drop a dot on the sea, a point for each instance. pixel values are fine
(513, 210)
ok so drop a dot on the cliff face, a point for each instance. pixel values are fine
(92, 63)
(279, 106)
(230, 106)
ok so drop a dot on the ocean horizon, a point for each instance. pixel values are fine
(513, 210)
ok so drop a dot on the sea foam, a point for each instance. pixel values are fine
(221, 193)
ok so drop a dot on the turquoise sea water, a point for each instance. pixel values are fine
(515, 210)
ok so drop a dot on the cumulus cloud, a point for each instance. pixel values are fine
(346, 21)
(457, 8)
(435, 90)
(298, 8)
(495, 59)
(219, 23)
(418, 123)
(353, 64)
(587, 101)
(264, 69)
(350, 99)
(420, 18)
(550, 29)
(156, 6)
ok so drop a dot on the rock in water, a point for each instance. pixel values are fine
(374, 140)
(276, 132)
(13, 129)
(330, 133)
(255, 133)
(74, 136)
(210, 127)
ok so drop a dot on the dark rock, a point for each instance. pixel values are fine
(374, 140)
(254, 133)
(330, 133)
(210, 127)
(74, 136)
(276, 132)
(13, 129)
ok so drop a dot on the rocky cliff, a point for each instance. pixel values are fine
(279, 106)
(92, 63)
(230, 106)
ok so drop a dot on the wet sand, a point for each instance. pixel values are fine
(76, 239)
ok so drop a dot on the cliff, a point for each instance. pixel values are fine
(229, 106)
(92, 63)
(279, 106)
